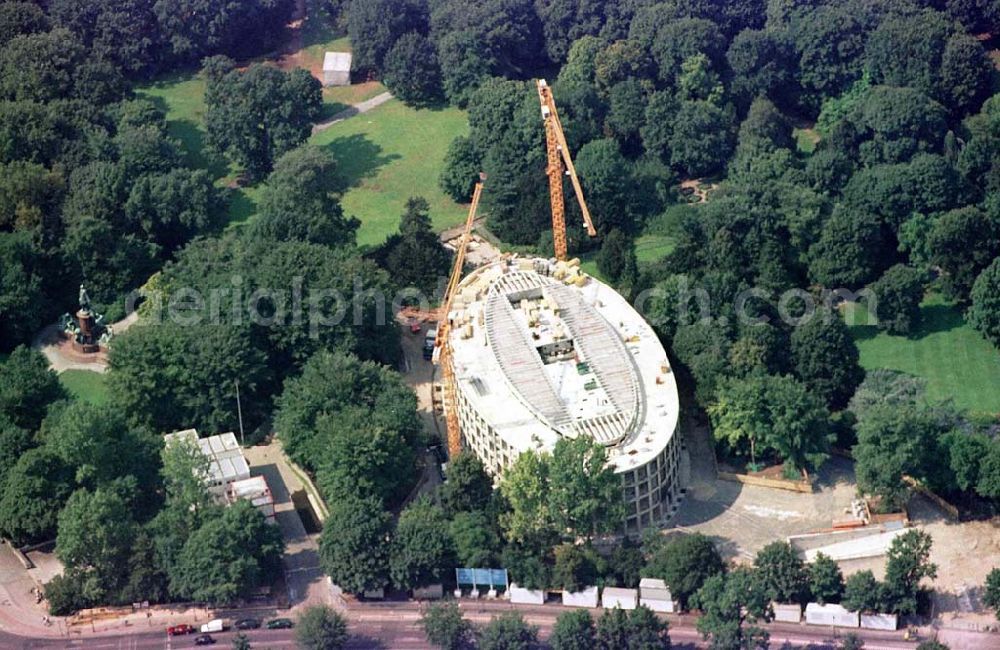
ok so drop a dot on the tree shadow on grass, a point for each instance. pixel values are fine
(934, 319)
(241, 207)
(330, 109)
(938, 318)
(192, 139)
(196, 152)
(357, 158)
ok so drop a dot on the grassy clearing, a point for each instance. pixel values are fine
(182, 98)
(388, 155)
(957, 363)
(337, 98)
(384, 157)
(85, 385)
(806, 139)
(653, 248)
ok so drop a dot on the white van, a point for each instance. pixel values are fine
(215, 625)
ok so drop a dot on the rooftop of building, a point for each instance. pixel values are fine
(226, 460)
(337, 62)
(548, 351)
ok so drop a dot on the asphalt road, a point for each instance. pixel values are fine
(395, 626)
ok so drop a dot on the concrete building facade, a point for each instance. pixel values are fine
(543, 351)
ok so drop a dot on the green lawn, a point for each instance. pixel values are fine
(182, 97)
(956, 361)
(388, 155)
(337, 98)
(85, 385)
(384, 156)
(806, 139)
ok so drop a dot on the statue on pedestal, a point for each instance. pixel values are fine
(86, 328)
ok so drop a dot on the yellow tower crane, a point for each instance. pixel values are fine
(442, 347)
(559, 163)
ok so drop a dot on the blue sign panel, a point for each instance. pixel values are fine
(481, 577)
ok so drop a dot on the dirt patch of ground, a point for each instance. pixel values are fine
(744, 518)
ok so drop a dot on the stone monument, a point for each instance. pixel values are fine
(86, 329)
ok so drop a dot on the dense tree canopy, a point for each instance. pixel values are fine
(984, 314)
(421, 551)
(298, 201)
(256, 115)
(321, 416)
(767, 412)
(685, 564)
(228, 556)
(27, 388)
(354, 547)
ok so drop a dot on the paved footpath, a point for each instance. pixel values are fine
(351, 111)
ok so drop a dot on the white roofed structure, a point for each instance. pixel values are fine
(226, 462)
(337, 69)
(543, 351)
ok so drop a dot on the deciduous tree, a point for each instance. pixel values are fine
(256, 115)
(354, 546)
(35, 489)
(421, 553)
(469, 488)
(321, 628)
(508, 631)
(574, 630)
(411, 71)
(991, 591)
(299, 203)
(228, 556)
(767, 412)
(896, 298)
(685, 564)
(27, 388)
(826, 583)
(908, 563)
(727, 602)
(825, 358)
(446, 627)
(984, 314)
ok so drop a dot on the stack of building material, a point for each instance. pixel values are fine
(879, 621)
(586, 598)
(618, 597)
(787, 612)
(834, 615)
(521, 596)
(654, 594)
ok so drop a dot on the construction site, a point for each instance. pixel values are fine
(531, 350)
(542, 351)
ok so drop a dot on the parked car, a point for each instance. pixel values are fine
(204, 639)
(429, 344)
(215, 625)
(280, 624)
(183, 628)
(247, 624)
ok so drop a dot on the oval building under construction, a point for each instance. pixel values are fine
(543, 351)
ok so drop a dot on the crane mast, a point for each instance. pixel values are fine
(559, 163)
(442, 346)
